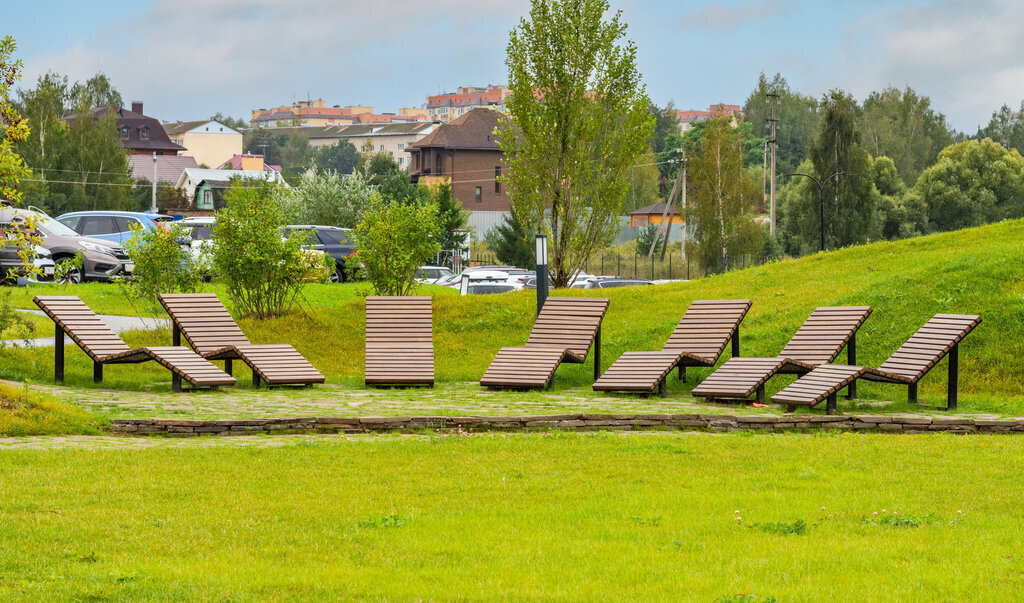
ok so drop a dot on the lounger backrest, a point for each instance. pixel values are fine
(204, 321)
(82, 324)
(399, 322)
(568, 322)
(931, 342)
(707, 326)
(824, 334)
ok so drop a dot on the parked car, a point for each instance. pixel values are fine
(607, 282)
(101, 260)
(113, 226)
(331, 240)
(200, 234)
(429, 275)
(487, 288)
(11, 264)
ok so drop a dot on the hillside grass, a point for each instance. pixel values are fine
(25, 412)
(974, 271)
(525, 517)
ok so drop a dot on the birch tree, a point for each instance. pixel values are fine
(579, 122)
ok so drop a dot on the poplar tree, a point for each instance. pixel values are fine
(579, 122)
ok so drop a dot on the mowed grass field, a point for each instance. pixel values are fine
(975, 271)
(523, 516)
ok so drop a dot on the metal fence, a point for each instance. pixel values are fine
(640, 266)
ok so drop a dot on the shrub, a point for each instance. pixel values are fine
(647, 236)
(161, 264)
(264, 272)
(12, 320)
(512, 245)
(327, 199)
(393, 241)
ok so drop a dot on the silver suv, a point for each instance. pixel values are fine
(101, 260)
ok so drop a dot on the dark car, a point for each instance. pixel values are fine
(331, 240)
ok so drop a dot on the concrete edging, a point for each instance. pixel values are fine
(577, 422)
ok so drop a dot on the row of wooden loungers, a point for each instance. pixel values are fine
(400, 351)
(567, 328)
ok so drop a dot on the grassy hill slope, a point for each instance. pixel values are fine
(974, 271)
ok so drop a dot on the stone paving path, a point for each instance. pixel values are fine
(119, 324)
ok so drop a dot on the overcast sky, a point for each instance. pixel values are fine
(188, 59)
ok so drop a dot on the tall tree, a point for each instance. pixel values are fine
(848, 199)
(96, 91)
(798, 121)
(723, 198)
(231, 122)
(341, 157)
(644, 187)
(13, 128)
(44, 106)
(391, 180)
(1006, 127)
(580, 116)
(450, 215)
(902, 125)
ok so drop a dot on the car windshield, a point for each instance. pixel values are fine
(55, 228)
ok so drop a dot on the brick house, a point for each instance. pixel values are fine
(464, 151)
(140, 135)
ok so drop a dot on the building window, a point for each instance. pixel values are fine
(144, 134)
(401, 147)
(207, 202)
(497, 175)
(124, 133)
(382, 148)
(401, 161)
(478, 199)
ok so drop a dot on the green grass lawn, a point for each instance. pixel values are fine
(906, 282)
(564, 516)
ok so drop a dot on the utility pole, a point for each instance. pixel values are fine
(666, 227)
(154, 181)
(773, 121)
(682, 212)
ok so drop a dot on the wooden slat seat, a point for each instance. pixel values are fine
(698, 340)
(399, 340)
(211, 331)
(72, 317)
(819, 340)
(938, 338)
(564, 332)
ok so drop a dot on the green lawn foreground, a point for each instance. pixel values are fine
(523, 516)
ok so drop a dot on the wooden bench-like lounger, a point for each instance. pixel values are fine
(938, 337)
(818, 341)
(71, 316)
(399, 341)
(565, 329)
(214, 335)
(698, 340)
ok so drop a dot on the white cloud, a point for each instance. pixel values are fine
(720, 16)
(190, 58)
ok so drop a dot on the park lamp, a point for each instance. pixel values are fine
(542, 270)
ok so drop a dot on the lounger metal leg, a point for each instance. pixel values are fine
(954, 366)
(851, 359)
(736, 343)
(682, 373)
(97, 372)
(912, 393)
(58, 353)
(663, 387)
(175, 334)
(830, 404)
(255, 378)
(760, 395)
(175, 382)
(227, 366)
(597, 354)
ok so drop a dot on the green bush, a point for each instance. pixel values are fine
(393, 241)
(162, 265)
(647, 236)
(512, 245)
(263, 271)
(327, 199)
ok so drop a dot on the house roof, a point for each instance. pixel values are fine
(197, 175)
(168, 167)
(157, 139)
(181, 127)
(472, 131)
(235, 163)
(654, 208)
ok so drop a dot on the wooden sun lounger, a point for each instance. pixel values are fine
(214, 335)
(818, 341)
(698, 340)
(71, 316)
(565, 329)
(399, 341)
(907, 366)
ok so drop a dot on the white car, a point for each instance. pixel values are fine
(429, 275)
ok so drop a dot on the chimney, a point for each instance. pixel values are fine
(137, 106)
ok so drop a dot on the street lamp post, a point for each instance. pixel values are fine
(542, 270)
(821, 198)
